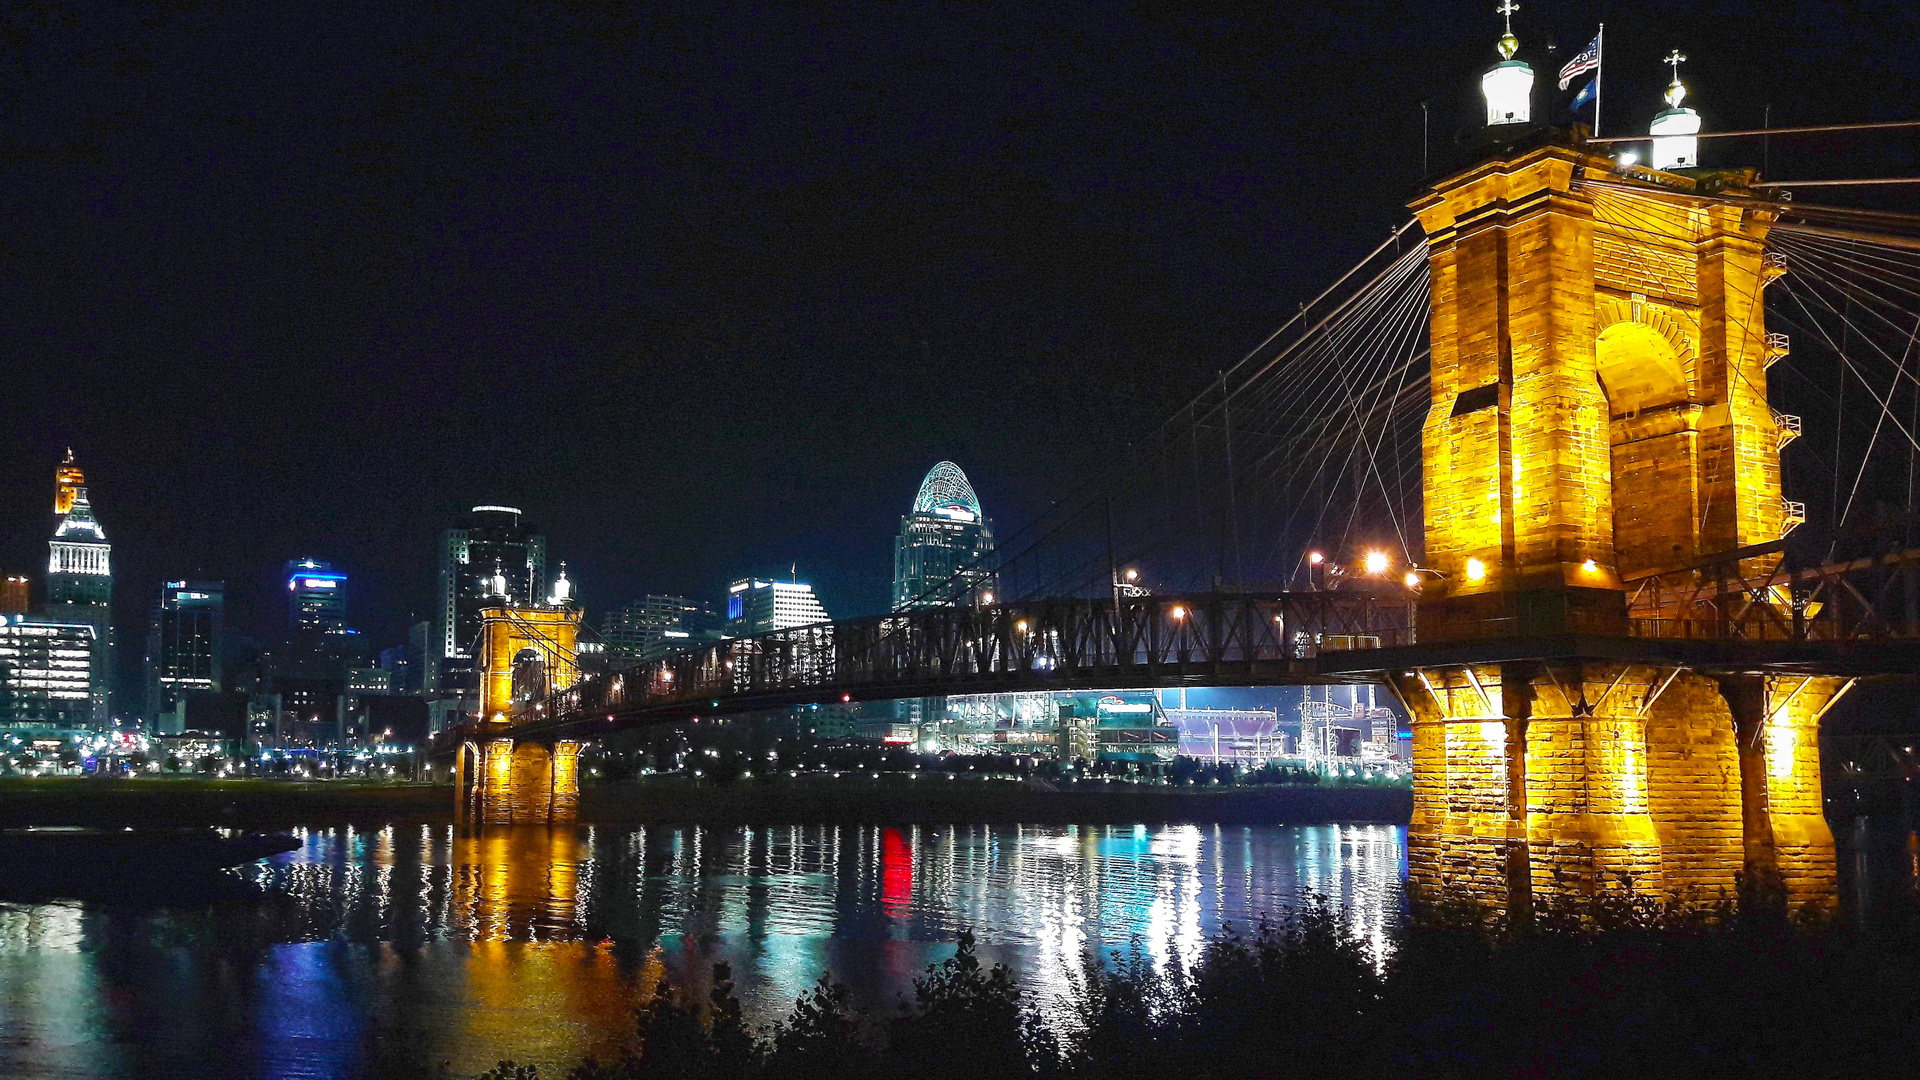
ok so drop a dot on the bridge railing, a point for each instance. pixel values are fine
(1165, 639)
(1758, 598)
(951, 649)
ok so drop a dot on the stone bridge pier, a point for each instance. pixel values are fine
(503, 781)
(1547, 783)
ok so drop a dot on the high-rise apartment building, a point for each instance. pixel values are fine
(184, 633)
(80, 580)
(653, 626)
(758, 606)
(488, 540)
(945, 546)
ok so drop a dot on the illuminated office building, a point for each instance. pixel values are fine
(945, 546)
(944, 551)
(316, 596)
(183, 649)
(653, 626)
(759, 606)
(46, 673)
(486, 539)
(80, 582)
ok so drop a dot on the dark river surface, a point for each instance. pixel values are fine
(388, 952)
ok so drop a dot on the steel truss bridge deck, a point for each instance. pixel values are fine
(1860, 616)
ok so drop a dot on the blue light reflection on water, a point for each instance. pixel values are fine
(392, 950)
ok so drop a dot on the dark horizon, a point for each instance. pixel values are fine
(706, 294)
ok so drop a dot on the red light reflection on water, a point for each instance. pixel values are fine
(896, 872)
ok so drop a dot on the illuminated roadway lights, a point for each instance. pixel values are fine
(1377, 562)
(1476, 570)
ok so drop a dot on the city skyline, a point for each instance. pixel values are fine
(315, 604)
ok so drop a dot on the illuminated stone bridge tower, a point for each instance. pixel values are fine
(527, 654)
(1599, 413)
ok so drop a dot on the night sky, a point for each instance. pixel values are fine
(706, 288)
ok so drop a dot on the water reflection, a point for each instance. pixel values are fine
(375, 952)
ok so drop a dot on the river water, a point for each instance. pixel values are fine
(388, 952)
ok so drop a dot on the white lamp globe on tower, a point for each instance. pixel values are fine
(1676, 144)
(1508, 85)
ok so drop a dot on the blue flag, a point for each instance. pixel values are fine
(1585, 95)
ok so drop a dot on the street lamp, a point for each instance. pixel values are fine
(1377, 562)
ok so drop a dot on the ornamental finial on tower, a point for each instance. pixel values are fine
(499, 582)
(1676, 130)
(1676, 91)
(1508, 86)
(562, 588)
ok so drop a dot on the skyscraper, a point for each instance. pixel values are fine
(486, 538)
(758, 606)
(80, 580)
(653, 626)
(945, 546)
(183, 649)
(316, 596)
(46, 673)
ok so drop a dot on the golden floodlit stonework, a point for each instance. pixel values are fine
(520, 781)
(1599, 412)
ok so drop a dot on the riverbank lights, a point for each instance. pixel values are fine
(1377, 562)
(1508, 85)
(1476, 570)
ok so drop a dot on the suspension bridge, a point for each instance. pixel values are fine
(1528, 464)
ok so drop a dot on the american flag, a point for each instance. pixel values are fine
(1588, 60)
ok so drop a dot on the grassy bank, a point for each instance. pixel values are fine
(891, 798)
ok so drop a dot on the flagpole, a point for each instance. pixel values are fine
(1599, 72)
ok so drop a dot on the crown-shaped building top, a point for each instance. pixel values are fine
(77, 524)
(67, 479)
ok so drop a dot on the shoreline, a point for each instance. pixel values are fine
(893, 799)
